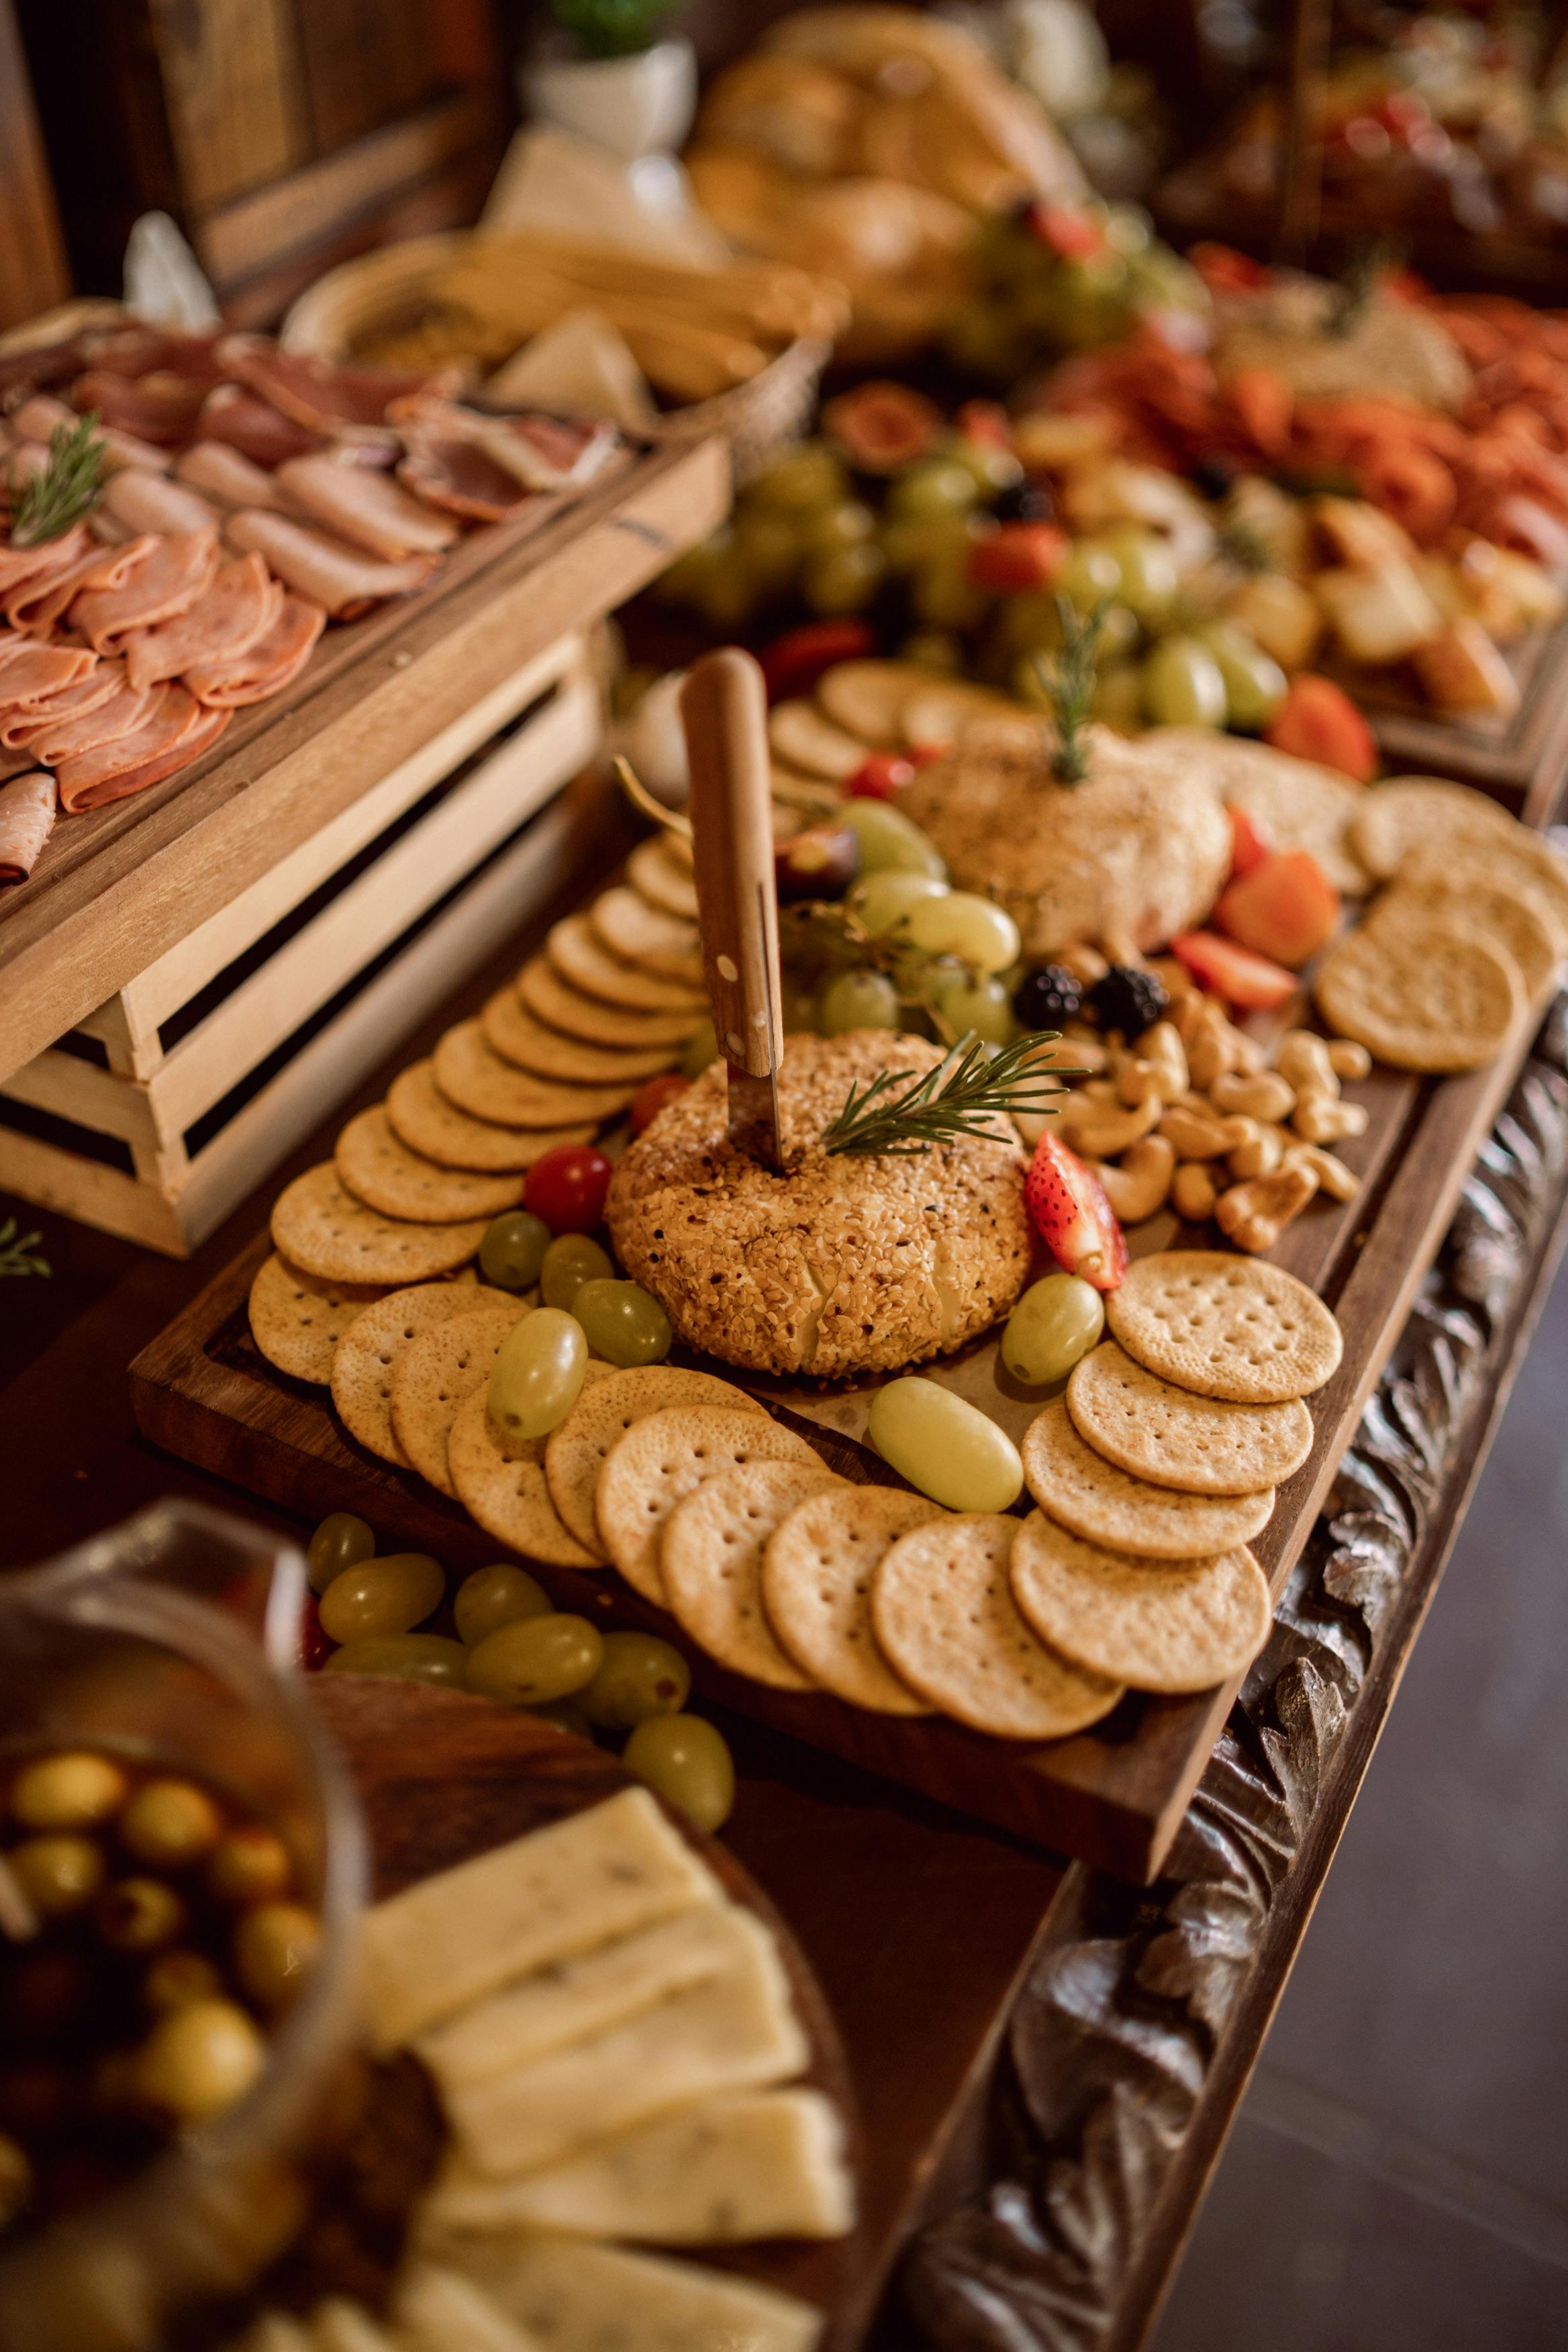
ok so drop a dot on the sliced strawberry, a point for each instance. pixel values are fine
(1074, 236)
(1233, 972)
(1017, 557)
(792, 663)
(986, 423)
(881, 776)
(1318, 721)
(1249, 844)
(1067, 1201)
(1285, 908)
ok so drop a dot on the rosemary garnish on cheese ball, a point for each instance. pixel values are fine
(971, 1087)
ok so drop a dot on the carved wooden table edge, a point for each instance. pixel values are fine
(1144, 2009)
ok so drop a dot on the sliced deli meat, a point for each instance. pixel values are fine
(38, 604)
(158, 407)
(246, 422)
(71, 734)
(26, 820)
(365, 507)
(20, 563)
(239, 607)
(38, 417)
(21, 724)
(317, 393)
(549, 453)
(141, 501)
(166, 582)
(174, 731)
(226, 476)
(30, 672)
(138, 351)
(264, 668)
(330, 573)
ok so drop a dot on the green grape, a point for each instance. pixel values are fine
(382, 1596)
(933, 489)
(992, 468)
(686, 579)
(807, 476)
(936, 649)
(948, 1449)
(1182, 685)
(566, 1716)
(1057, 1321)
(888, 842)
(1254, 685)
(983, 1004)
(1148, 577)
(960, 923)
(638, 1677)
(845, 579)
(799, 1010)
(702, 1050)
(497, 1596)
(1118, 695)
(944, 596)
(623, 1322)
(857, 1000)
(767, 549)
(535, 1660)
(1126, 230)
(539, 1374)
(1089, 575)
(572, 1260)
(512, 1250)
(407, 1658)
(340, 1541)
(848, 524)
(880, 903)
(684, 1760)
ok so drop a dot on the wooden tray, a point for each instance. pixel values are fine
(442, 1777)
(1517, 760)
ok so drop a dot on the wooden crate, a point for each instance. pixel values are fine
(161, 1108)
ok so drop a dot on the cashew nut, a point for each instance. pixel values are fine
(1254, 1215)
(1137, 1079)
(1082, 1050)
(1215, 1046)
(1266, 1097)
(1193, 1192)
(1139, 1186)
(1260, 1155)
(1339, 1183)
(1085, 962)
(1102, 1132)
(1324, 1118)
(1348, 1059)
(1199, 1135)
(1306, 1060)
(1160, 1047)
(1185, 1016)
(1246, 1053)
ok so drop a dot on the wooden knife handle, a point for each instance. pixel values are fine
(724, 707)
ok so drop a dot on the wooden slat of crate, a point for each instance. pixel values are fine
(233, 93)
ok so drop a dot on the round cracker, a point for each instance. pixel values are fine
(1514, 916)
(1408, 812)
(436, 1373)
(1422, 993)
(576, 1450)
(1510, 856)
(800, 735)
(659, 1462)
(710, 1558)
(944, 1615)
(378, 1168)
(577, 954)
(1197, 1445)
(296, 1318)
(475, 1078)
(1090, 1497)
(867, 698)
(554, 1000)
(629, 928)
(321, 1228)
(500, 1481)
(513, 1033)
(1295, 803)
(1225, 1326)
(817, 1572)
(420, 1116)
(368, 1358)
(662, 880)
(1156, 1625)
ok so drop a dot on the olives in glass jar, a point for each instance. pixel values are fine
(274, 1947)
(71, 1791)
(199, 2059)
(169, 1824)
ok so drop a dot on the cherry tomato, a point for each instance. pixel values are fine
(567, 1186)
(792, 663)
(1017, 558)
(650, 1099)
(880, 777)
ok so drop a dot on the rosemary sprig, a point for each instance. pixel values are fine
(963, 1094)
(68, 488)
(1068, 684)
(18, 1252)
(1245, 546)
(1359, 283)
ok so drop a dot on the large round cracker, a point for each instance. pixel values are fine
(1295, 803)
(1512, 915)
(1408, 812)
(710, 1559)
(1155, 1625)
(1422, 994)
(560, 1006)
(366, 1359)
(659, 1462)
(436, 1375)
(576, 1450)
(514, 1033)
(817, 1573)
(803, 738)
(584, 961)
(296, 1318)
(1090, 1497)
(1225, 1326)
(323, 1230)
(500, 1481)
(422, 1118)
(867, 698)
(1511, 853)
(1197, 1445)
(945, 1615)
(662, 879)
(378, 1168)
(629, 928)
(476, 1079)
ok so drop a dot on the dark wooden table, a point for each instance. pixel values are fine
(1046, 2060)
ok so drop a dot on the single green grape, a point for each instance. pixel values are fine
(539, 1374)
(888, 842)
(843, 579)
(570, 1261)
(638, 1677)
(880, 903)
(702, 1050)
(1089, 576)
(536, 1660)
(623, 1322)
(512, 1250)
(946, 1448)
(936, 487)
(684, 1760)
(1057, 1319)
(407, 1658)
(493, 1597)
(1149, 580)
(1254, 685)
(1183, 684)
(340, 1541)
(382, 1596)
(908, 540)
(566, 1716)
(844, 525)
(857, 1000)
(963, 924)
(965, 1002)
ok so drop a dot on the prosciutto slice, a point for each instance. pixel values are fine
(549, 453)
(315, 392)
(138, 351)
(141, 502)
(158, 408)
(21, 563)
(22, 723)
(166, 582)
(38, 417)
(30, 672)
(252, 426)
(342, 578)
(487, 467)
(226, 476)
(364, 506)
(67, 738)
(176, 731)
(27, 820)
(239, 607)
(274, 661)
(38, 604)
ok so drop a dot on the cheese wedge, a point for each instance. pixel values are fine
(544, 2013)
(765, 2164)
(582, 366)
(440, 2310)
(571, 2297)
(543, 1898)
(737, 2031)
(339, 2326)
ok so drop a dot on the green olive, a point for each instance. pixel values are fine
(249, 1865)
(176, 1978)
(536, 1660)
(340, 1541)
(640, 1676)
(408, 1657)
(198, 2061)
(73, 1792)
(497, 1596)
(684, 1760)
(139, 1914)
(170, 1823)
(572, 1260)
(512, 1250)
(382, 1596)
(58, 1874)
(275, 1946)
(15, 2181)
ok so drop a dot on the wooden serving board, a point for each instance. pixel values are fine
(443, 1776)
(1517, 760)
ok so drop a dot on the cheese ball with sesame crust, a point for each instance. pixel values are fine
(844, 1264)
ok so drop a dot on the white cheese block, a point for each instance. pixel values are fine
(572, 2298)
(339, 2326)
(453, 1938)
(735, 2031)
(765, 2164)
(440, 2310)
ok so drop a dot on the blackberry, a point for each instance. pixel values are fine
(1046, 998)
(1129, 998)
(1213, 477)
(1024, 502)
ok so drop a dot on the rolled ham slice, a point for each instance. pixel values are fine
(38, 417)
(315, 392)
(239, 607)
(342, 578)
(176, 731)
(69, 736)
(226, 476)
(364, 506)
(38, 604)
(140, 501)
(21, 563)
(21, 724)
(30, 672)
(27, 820)
(159, 408)
(273, 662)
(252, 426)
(166, 582)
